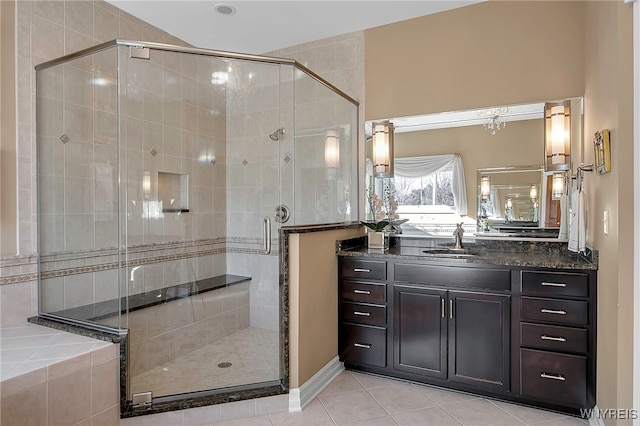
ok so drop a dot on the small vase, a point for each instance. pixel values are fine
(377, 240)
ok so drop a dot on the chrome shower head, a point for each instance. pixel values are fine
(275, 136)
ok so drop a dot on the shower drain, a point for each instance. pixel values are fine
(225, 365)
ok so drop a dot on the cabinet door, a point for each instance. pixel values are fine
(479, 339)
(420, 332)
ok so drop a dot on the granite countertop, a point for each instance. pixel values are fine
(507, 253)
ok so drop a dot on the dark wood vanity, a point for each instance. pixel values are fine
(502, 324)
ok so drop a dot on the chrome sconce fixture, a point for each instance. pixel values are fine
(557, 136)
(383, 149)
(331, 152)
(485, 188)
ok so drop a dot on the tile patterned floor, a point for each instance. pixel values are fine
(361, 399)
(253, 353)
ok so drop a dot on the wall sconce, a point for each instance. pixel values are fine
(558, 185)
(485, 188)
(533, 192)
(331, 152)
(383, 149)
(557, 136)
(146, 185)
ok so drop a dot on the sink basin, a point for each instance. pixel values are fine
(448, 252)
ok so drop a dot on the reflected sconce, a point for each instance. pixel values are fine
(533, 192)
(557, 185)
(331, 152)
(146, 185)
(485, 188)
(557, 136)
(383, 149)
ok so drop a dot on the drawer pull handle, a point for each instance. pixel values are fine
(361, 270)
(553, 376)
(450, 308)
(555, 339)
(362, 314)
(362, 345)
(442, 306)
(553, 311)
(361, 291)
(553, 284)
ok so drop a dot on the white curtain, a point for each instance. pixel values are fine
(416, 167)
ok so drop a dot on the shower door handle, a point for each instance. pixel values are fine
(266, 233)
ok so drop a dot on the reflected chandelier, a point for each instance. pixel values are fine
(494, 118)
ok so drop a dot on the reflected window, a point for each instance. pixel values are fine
(431, 193)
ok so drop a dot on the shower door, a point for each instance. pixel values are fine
(201, 176)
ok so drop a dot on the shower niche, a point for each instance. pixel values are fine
(155, 183)
(173, 192)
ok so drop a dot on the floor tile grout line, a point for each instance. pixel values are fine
(490, 401)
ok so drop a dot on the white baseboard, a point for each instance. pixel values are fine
(300, 397)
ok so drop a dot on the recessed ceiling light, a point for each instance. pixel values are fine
(225, 9)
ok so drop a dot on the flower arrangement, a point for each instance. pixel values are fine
(383, 210)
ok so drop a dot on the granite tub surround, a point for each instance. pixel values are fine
(543, 254)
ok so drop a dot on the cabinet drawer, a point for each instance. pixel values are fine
(481, 278)
(555, 284)
(554, 310)
(363, 344)
(368, 269)
(554, 337)
(364, 292)
(364, 314)
(560, 378)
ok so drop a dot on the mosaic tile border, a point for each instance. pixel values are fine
(22, 269)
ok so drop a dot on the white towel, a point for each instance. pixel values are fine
(564, 217)
(577, 222)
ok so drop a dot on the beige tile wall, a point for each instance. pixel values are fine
(80, 389)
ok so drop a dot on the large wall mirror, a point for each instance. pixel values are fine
(505, 142)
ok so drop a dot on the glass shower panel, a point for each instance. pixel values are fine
(325, 173)
(77, 159)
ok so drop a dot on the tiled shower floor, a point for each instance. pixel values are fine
(252, 352)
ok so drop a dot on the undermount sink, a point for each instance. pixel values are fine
(448, 252)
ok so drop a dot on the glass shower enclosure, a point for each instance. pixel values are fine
(164, 176)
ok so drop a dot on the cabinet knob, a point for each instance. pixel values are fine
(552, 376)
(553, 311)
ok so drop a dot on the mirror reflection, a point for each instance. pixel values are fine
(439, 161)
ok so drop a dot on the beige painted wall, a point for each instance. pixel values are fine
(554, 50)
(313, 301)
(609, 104)
(518, 144)
(8, 130)
(491, 53)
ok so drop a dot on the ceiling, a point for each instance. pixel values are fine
(258, 27)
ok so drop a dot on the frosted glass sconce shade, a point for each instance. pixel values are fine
(557, 185)
(485, 188)
(383, 149)
(557, 136)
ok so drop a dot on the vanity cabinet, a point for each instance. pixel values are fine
(363, 312)
(557, 351)
(526, 335)
(461, 336)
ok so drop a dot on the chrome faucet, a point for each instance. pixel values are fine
(457, 234)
